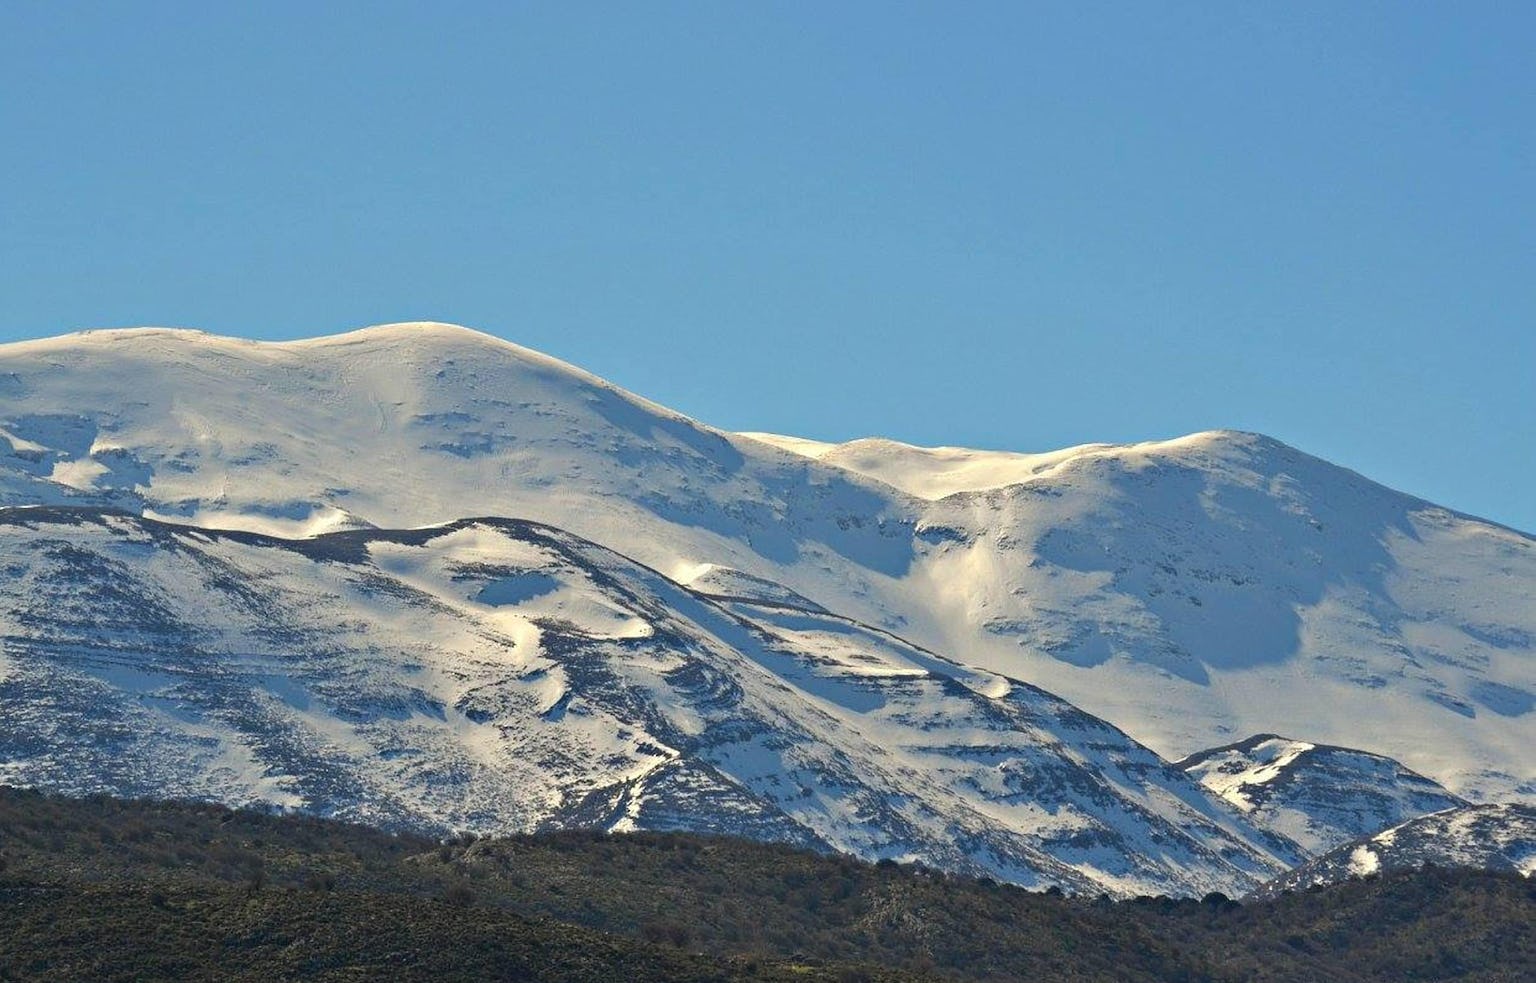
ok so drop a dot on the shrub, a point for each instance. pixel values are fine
(459, 895)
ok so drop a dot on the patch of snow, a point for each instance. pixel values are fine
(1363, 861)
(77, 474)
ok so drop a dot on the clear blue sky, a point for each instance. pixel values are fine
(1015, 225)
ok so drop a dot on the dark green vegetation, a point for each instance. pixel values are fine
(105, 889)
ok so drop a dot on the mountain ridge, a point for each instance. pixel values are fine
(846, 453)
(1490, 836)
(1318, 795)
(810, 448)
(1188, 591)
(503, 676)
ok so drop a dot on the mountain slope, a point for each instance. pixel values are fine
(1189, 591)
(1499, 837)
(1318, 796)
(104, 889)
(1224, 583)
(500, 676)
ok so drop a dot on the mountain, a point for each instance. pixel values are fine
(1499, 837)
(1315, 795)
(499, 676)
(1188, 591)
(1225, 584)
(423, 578)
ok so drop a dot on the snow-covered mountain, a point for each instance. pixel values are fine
(1224, 584)
(1190, 591)
(253, 572)
(1500, 836)
(499, 676)
(1316, 795)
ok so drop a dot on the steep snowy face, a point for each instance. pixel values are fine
(1316, 795)
(503, 676)
(1189, 591)
(1491, 837)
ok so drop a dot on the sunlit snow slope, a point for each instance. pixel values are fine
(500, 676)
(1222, 584)
(1500, 836)
(1319, 796)
(1192, 591)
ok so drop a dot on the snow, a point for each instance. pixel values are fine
(358, 675)
(485, 573)
(1491, 837)
(77, 474)
(1315, 795)
(724, 582)
(928, 472)
(1266, 761)
(1362, 861)
(1186, 590)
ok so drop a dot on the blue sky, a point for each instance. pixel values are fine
(1005, 225)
